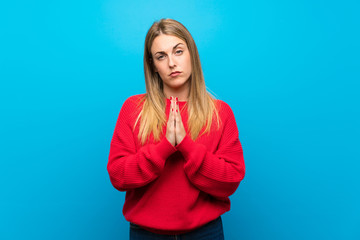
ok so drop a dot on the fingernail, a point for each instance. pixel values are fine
(176, 110)
(172, 109)
(176, 98)
(170, 97)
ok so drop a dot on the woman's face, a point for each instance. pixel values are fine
(171, 55)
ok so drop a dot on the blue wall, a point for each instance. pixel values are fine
(289, 69)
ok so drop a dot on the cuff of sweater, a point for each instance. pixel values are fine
(165, 148)
(186, 147)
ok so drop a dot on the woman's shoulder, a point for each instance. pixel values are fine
(132, 106)
(136, 97)
(226, 113)
(134, 100)
(223, 107)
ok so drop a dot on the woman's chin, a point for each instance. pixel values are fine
(178, 84)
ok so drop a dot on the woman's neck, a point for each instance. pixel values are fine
(181, 93)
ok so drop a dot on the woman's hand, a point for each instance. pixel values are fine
(175, 130)
(170, 128)
(179, 126)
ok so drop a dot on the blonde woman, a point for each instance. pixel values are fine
(175, 149)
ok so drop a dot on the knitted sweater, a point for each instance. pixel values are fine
(175, 189)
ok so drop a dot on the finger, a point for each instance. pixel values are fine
(177, 111)
(179, 123)
(174, 118)
(177, 119)
(173, 103)
(172, 106)
(170, 110)
(177, 116)
(170, 121)
(173, 109)
(172, 114)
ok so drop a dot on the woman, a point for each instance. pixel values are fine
(175, 150)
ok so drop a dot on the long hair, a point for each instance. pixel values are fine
(201, 104)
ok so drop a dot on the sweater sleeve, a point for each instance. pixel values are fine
(129, 168)
(219, 173)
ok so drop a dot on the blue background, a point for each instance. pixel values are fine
(289, 70)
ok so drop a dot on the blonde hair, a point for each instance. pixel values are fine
(201, 104)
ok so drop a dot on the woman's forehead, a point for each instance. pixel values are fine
(166, 43)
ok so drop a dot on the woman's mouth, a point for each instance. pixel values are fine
(174, 74)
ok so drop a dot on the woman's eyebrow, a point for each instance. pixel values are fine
(173, 48)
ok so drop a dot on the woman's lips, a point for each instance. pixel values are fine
(174, 74)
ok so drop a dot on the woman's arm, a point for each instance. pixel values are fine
(128, 168)
(218, 174)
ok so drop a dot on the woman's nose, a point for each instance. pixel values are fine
(171, 61)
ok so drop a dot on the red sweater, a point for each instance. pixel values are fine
(171, 189)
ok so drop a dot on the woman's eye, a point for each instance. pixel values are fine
(179, 51)
(160, 57)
